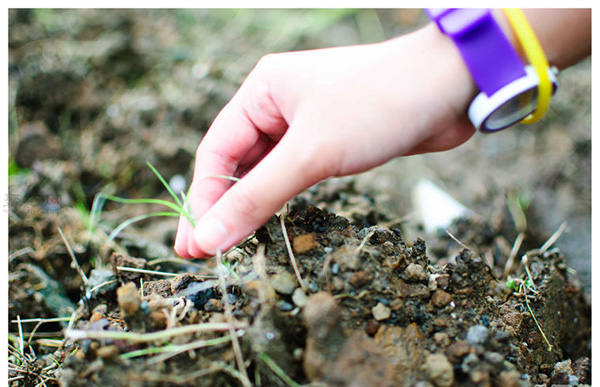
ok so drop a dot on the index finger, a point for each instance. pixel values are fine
(243, 132)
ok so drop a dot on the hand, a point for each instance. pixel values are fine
(302, 117)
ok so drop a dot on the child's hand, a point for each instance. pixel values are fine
(302, 117)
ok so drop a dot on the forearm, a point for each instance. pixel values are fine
(565, 34)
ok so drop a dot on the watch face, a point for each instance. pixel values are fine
(513, 110)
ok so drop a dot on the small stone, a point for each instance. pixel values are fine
(441, 339)
(469, 363)
(335, 269)
(459, 349)
(372, 327)
(432, 284)
(338, 284)
(440, 298)
(284, 282)
(299, 297)
(439, 370)
(396, 304)
(360, 279)
(129, 298)
(213, 305)
(415, 273)
(381, 312)
(313, 287)
(563, 366)
(108, 352)
(304, 243)
(509, 378)
(494, 358)
(159, 319)
(477, 335)
(285, 306)
(481, 378)
(96, 317)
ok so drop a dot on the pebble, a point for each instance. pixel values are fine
(213, 305)
(459, 349)
(441, 339)
(129, 298)
(372, 327)
(439, 370)
(360, 279)
(313, 287)
(509, 378)
(108, 352)
(304, 243)
(381, 312)
(469, 363)
(96, 316)
(284, 282)
(440, 298)
(335, 269)
(562, 366)
(477, 335)
(299, 297)
(415, 273)
(494, 358)
(285, 306)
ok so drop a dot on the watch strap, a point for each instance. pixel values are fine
(492, 60)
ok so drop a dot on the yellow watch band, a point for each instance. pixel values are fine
(535, 54)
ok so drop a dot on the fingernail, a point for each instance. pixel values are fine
(210, 235)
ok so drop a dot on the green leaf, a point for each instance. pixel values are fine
(128, 222)
(163, 181)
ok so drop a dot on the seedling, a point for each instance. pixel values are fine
(179, 208)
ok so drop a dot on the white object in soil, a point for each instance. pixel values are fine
(435, 208)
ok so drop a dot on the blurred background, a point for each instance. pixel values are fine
(94, 94)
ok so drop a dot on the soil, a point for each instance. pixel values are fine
(345, 287)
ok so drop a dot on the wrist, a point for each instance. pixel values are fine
(448, 77)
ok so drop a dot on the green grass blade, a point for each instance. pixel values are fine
(165, 203)
(128, 222)
(277, 370)
(187, 211)
(95, 211)
(163, 181)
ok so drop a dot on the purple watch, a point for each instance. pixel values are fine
(491, 59)
(508, 86)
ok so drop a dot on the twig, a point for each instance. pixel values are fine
(144, 271)
(20, 252)
(75, 264)
(102, 285)
(510, 261)
(235, 344)
(288, 245)
(42, 320)
(76, 334)
(456, 240)
(553, 238)
(181, 261)
(361, 247)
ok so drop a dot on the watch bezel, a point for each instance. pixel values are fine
(483, 106)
